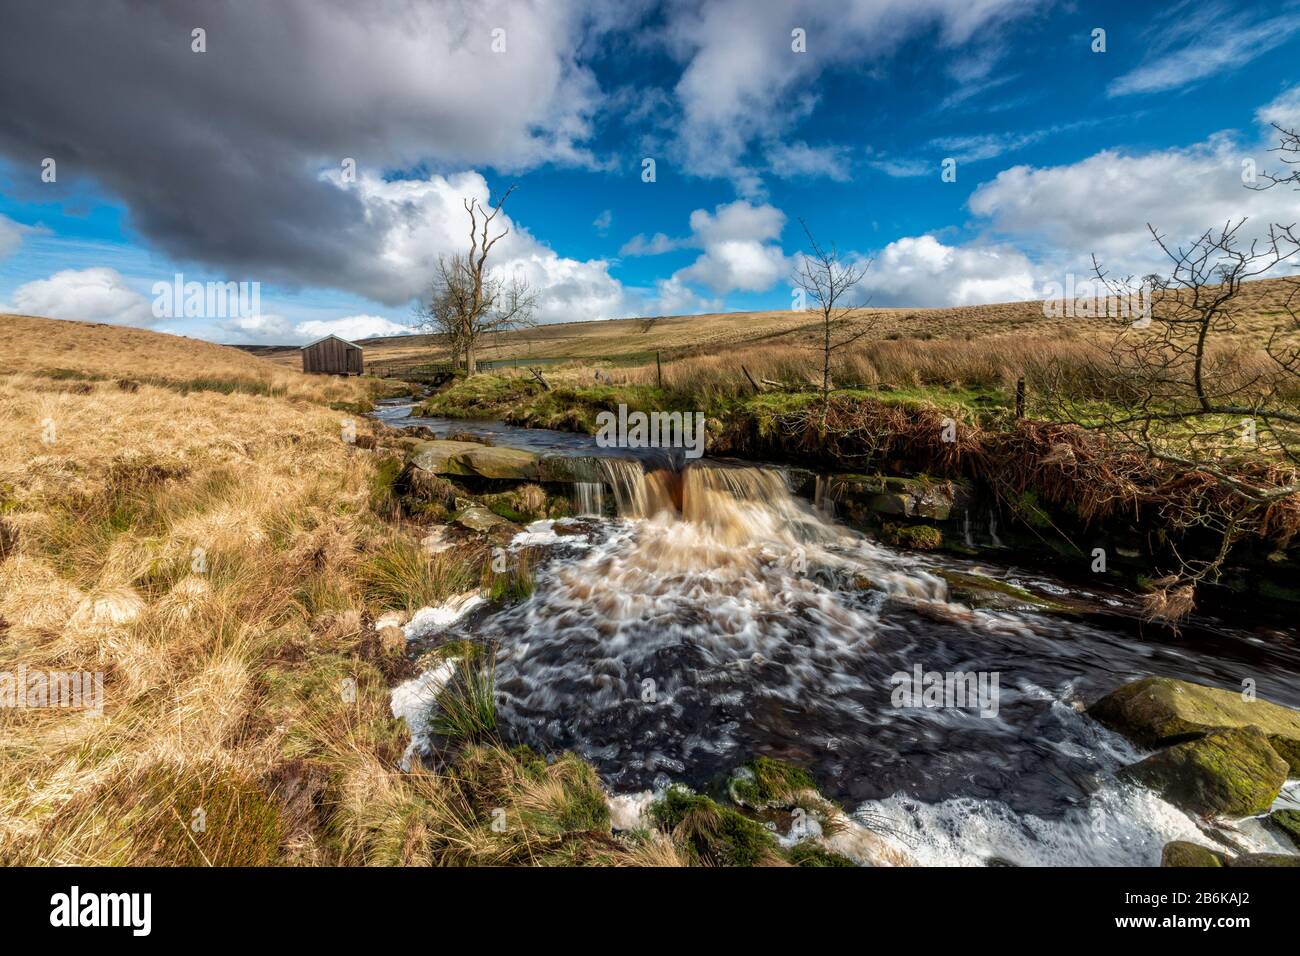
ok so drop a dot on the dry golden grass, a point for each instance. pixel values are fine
(83, 350)
(108, 494)
(1260, 306)
(204, 552)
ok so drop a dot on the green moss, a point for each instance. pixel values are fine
(1231, 772)
(921, 537)
(361, 407)
(764, 783)
(1026, 507)
(978, 590)
(383, 481)
(1183, 853)
(808, 853)
(711, 833)
(1289, 822)
(204, 815)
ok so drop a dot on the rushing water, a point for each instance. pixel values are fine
(719, 617)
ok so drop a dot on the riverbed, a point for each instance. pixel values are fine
(723, 618)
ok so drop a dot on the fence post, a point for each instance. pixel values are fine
(659, 371)
(1020, 397)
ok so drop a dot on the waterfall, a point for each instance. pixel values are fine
(588, 498)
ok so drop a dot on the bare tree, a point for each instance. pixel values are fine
(467, 300)
(1289, 151)
(829, 282)
(1179, 387)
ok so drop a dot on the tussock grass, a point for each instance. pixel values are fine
(219, 558)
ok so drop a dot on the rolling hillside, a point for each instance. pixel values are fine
(635, 341)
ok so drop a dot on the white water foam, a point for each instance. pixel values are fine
(429, 621)
(414, 701)
(1122, 825)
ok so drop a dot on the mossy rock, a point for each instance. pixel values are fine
(1183, 853)
(1232, 772)
(919, 537)
(764, 783)
(979, 591)
(1159, 711)
(1288, 821)
(1265, 859)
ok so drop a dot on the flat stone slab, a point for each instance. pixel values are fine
(471, 458)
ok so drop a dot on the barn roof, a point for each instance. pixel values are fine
(330, 336)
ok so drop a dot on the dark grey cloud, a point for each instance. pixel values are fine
(219, 155)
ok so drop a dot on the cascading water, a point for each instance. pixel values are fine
(720, 617)
(588, 498)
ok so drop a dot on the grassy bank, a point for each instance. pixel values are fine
(221, 557)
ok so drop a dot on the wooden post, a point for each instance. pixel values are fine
(659, 371)
(1020, 397)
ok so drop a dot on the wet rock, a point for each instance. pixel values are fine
(1265, 859)
(980, 591)
(441, 457)
(1183, 853)
(1232, 772)
(1158, 711)
(478, 518)
(1288, 821)
(896, 496)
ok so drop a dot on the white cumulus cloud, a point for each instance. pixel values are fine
(922, 271)
(1102, 204)
(419, 220)
(98, 294)
(351, 327)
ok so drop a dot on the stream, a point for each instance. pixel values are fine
(717, 617)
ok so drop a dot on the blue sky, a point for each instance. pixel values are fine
(227, 163)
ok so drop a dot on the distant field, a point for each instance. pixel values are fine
(52, 349)
(635, 341)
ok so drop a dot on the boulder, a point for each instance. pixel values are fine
(440, 457)
(492, 462)
(893, 495)
(1159, 711)
(478, 518)
(1288, 821)
(1265, 859)
(470, 458)
(1233, 772)
(1185, 853)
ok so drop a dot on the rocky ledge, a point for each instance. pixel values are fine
(1218, 752)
